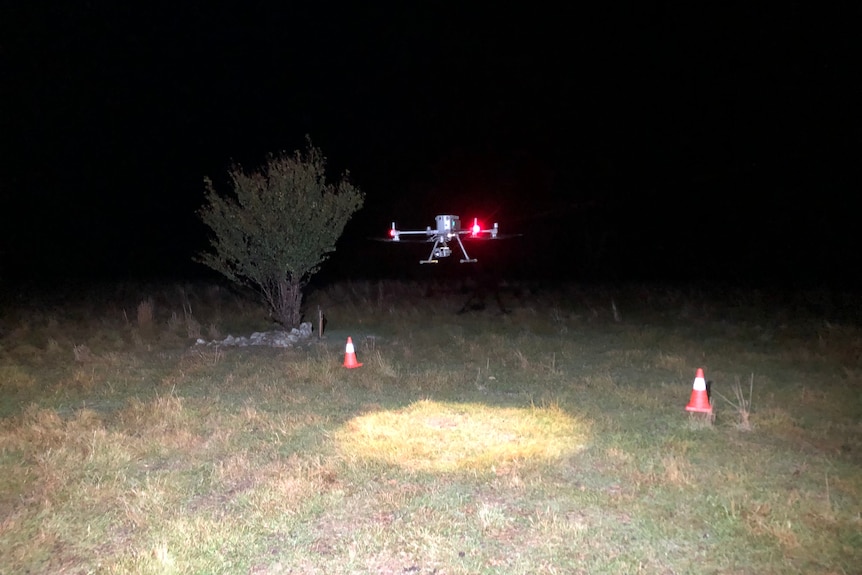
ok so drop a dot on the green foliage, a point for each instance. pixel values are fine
(278, 227)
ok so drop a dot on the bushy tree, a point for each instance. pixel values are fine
(277, 228)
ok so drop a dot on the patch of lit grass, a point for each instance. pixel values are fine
(442, 437)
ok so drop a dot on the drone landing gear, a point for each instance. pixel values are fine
(441, 250)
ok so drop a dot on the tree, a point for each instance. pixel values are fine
(277, 228)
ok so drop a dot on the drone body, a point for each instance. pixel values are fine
(447, 230)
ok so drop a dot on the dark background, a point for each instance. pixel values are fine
(643, 141)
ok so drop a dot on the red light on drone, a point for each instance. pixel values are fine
(476, 227)
(392, 233)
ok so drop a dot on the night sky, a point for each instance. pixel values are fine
(631, 141)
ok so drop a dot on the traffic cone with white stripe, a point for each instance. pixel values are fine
(350, 355)
(699, 401)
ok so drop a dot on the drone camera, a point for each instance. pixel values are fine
(442, 252)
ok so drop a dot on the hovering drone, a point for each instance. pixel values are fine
(447, 230)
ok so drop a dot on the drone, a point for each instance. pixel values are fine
(447, 230)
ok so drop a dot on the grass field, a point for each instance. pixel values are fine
(550, 439)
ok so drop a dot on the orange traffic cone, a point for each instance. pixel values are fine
(699, 397)
(350, 355)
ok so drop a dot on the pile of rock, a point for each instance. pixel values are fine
(266, 338)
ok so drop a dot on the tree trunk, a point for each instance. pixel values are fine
(287, 307)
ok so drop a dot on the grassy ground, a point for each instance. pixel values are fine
(551, 439)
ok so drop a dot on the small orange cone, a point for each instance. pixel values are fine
(350, 355)
(699, 397)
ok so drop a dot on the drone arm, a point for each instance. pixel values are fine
(476, 231)
(395, 234)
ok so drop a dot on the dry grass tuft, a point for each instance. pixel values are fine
(676, 470)
(82, 353)
(145, 315)
(213, 331)
(13, 378)
(384, 365)
(163, 418)
(741, 403)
